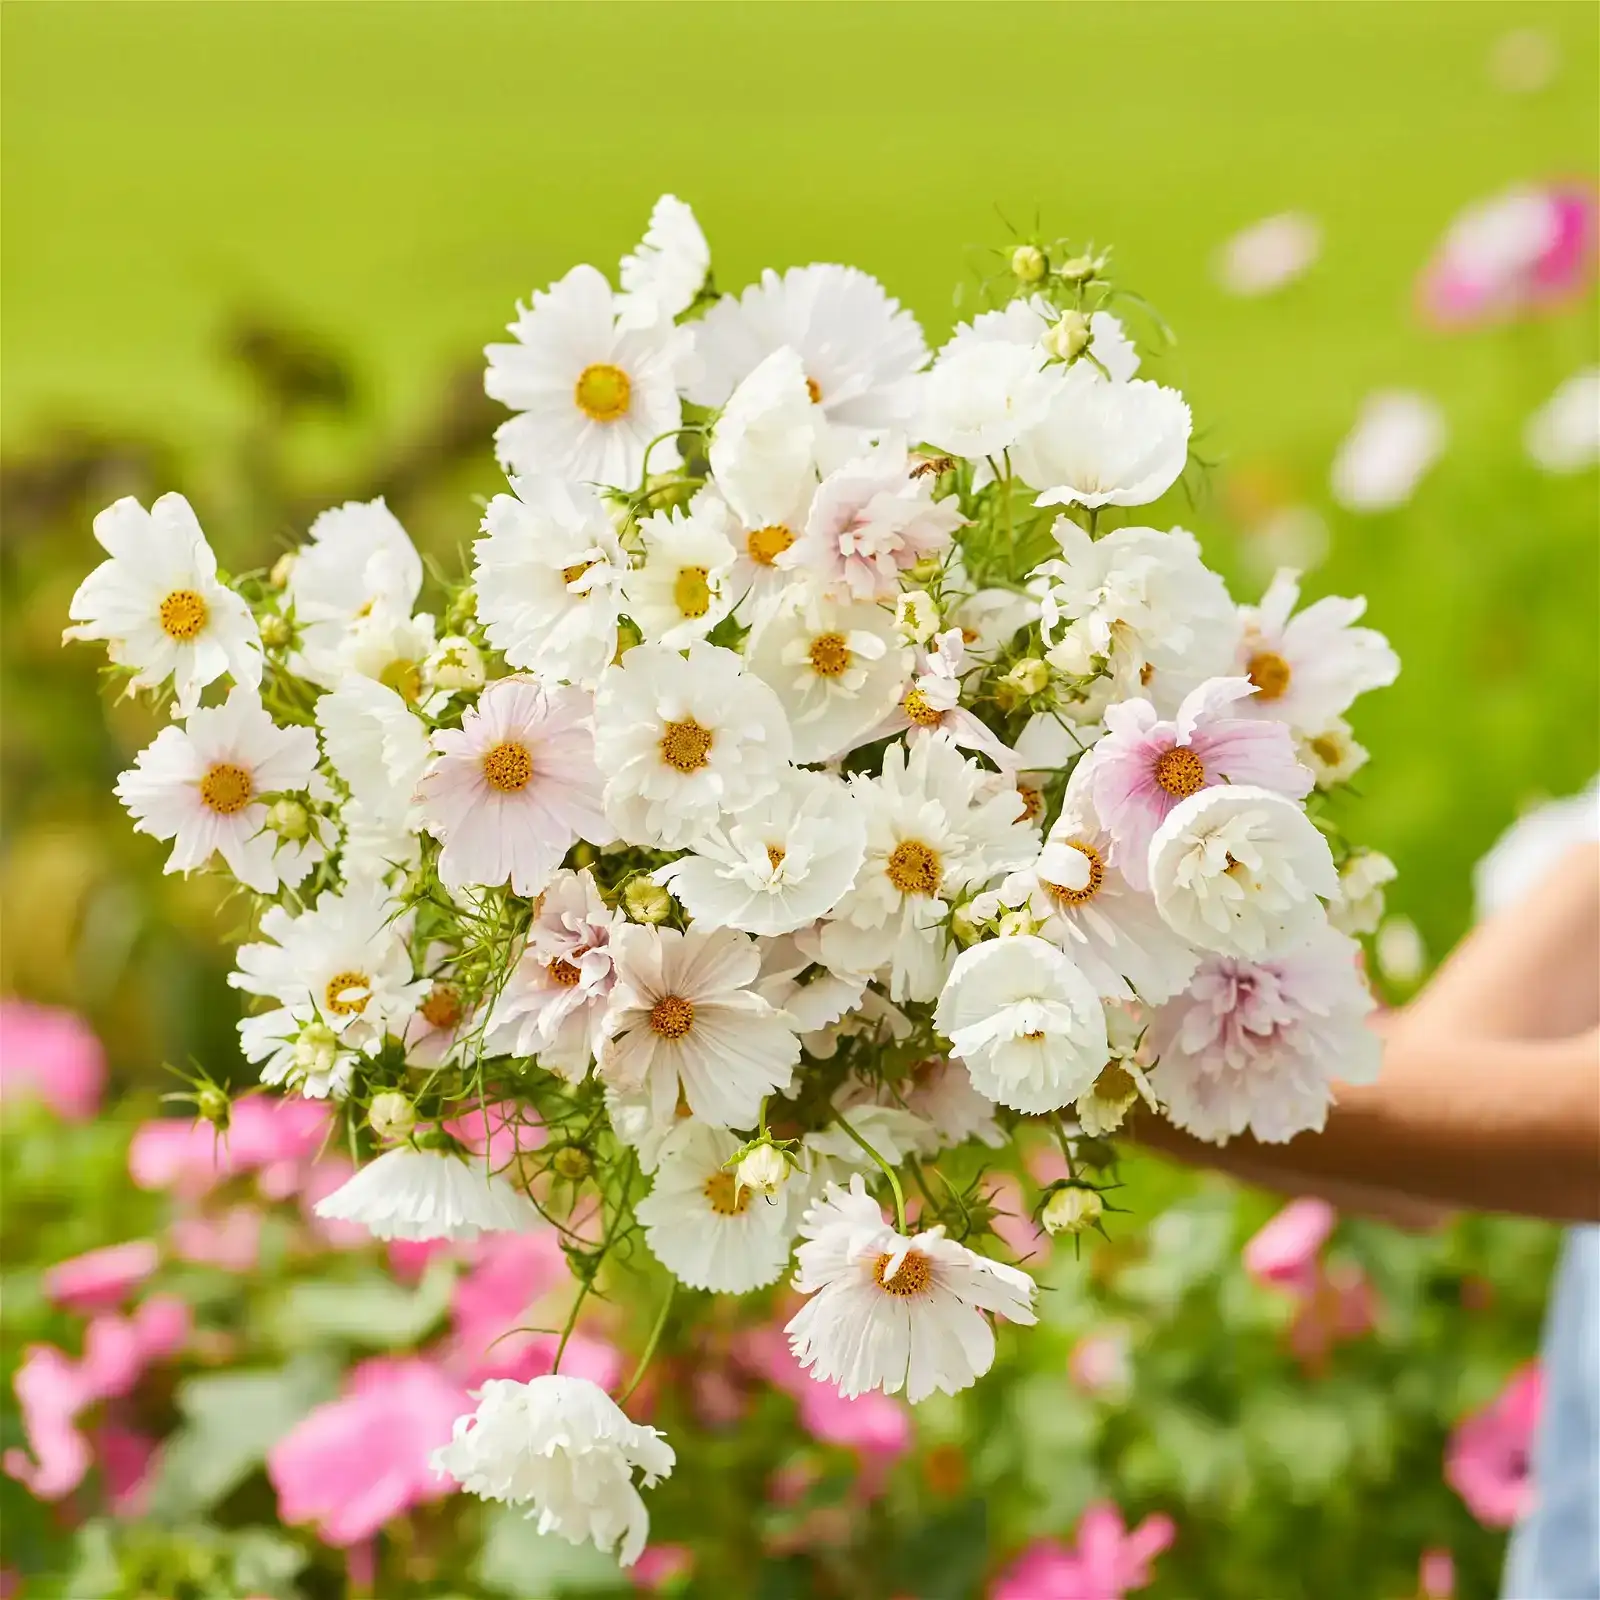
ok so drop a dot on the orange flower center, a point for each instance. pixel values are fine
(1097, 876)
(916, 707)
(914, 868)
(346, 994)
(672, 1016)
(913, 1278)
(830, 654)
(563, 972)
(726, 1198)
(508, 766)
(814, 389)
(226, 788)
(1180, 772)
(603, 392)
(775, 856)
(1270, 673)
(691, 593)
(766, 544)
(443, 1008)
(183, 615)
(684, 745)
(1032, 802)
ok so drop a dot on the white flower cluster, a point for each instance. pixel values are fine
(820, 770)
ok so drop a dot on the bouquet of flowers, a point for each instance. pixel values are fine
(818, 779)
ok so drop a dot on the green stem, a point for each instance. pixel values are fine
(650, 1344)
(888, 1172)
(605, 1245)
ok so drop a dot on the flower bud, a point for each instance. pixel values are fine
(926, 570)
(572, 1162)
(916, 616)
(454, 664)
(461, 610)
(281, 568)
(289, 820)
(627, 637)
(646, 901)
(391, 1115)
(315, 1049)
(275, 631)
(1014, 923)
(1029, 676)
(764, 1170)
(1069, 337)
(966, 925)
(1080, 269)
(1028, 263)
(212, 1104)
(1072, 1209)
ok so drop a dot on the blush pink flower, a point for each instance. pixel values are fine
(500, 1131)
(1488, 1461)
(876, 1426)
(1028, 1243)
(52, 1056)
(1340, 1306)
(661, 1568)
(126, 1458)
(231, 1241)
(357, 1462)
(1145, 766)
(1436, 1575)
(1107, 1561)
(271, 1137)
(1100, 1364)
(1286, 1252)
(932, 704)
(100, 1280)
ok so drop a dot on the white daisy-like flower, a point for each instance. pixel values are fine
(444, 1022)
(1103, 1107)
(1241, 871)
(859, 348)
(1140, 605)
(1026, 1021)
(1307, 669)
(703, 1226)
(340, 971)
(989, 619)
(1563, 435)
(890, 1312)
(1332, 754)
(1027, 321)
(682, 591)
(685, 1018)
(682, 739)
(932, 704)
(838, 668)
(1105, 444)
(1397, 437)
(553, 1004)
(870, 521)
(429, 1194)
(358, 560)
(666, 270)
(159, 606)
(514, 788)
(763, 452)
(1359, 907)
(935, 826)
(795, 979)
(562, 1447)
(548, 577)
(1259, 1045)
(830, 1155)
(981, 396)
(591, 390)
(389, 647)
(776, 865)
(205, 786)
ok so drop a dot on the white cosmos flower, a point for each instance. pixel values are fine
(682, 739)
(1332, 754)
(982, 394)
(932, 704)
(706, 1229)
(1026, 321)
(763, 448)
(591, 390)
(859, 348)
(777, 864)
(1269, 254)
(358, 560)
(389, 647)
(342, 968)
(1563, 435)
(935, 826)
(1397, 437)
(514, 788)
(663, 275)
(1239, 871)
(1026, 1021)
(428, 1194)
(682, 591)
(795, 980)
(548, 577)
(1359, 908)
(205, 787)
(837, 668)
(890, 1312)
(553, 1004)
(159, 605)
(1258, 1045)
(1104, 1105)
(562, 1447)
(1144, 604)
(1307, 669)
(684, 1018)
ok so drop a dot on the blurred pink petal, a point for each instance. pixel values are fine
(100, 1280)
(231, 1241)
(1436, 1575)
(501, 1131)
(1284, 1252)
(1099, 1363)
(874, 1425)
(1046, 1570)
(409, 1258)
(1028, 1244)
(1108, 1561)
(1488, 1460)
(125, 1457)
(265, 1134)
(50, 1055)
(51, 1391)
(661, 1565)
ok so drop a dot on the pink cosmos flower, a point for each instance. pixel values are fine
(1145, 766)
(126, 1458)
(271, 1137)
(1526, 249)
(1340, 1306)
(876, 1426)
(409, 1258)
(500, 1131)
(52, 1056)
(1286, 1252)
(1107, 1562)
(515, 787)
(356, 1462)
(1489, 1458)
(100, 1280)
(661, 1567)
(1099, 1363)
(231, 1241)
(932, 703)
(1027, 1242)
(1436, 1575)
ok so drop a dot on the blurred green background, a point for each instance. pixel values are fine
(251, 251)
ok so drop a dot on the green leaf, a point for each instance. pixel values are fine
(371, 1310)
(517, 1559)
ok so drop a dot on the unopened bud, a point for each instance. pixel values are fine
(1069, 337)
(572, 1162)
(1072, 1209)
(1028, 263)
(966, 925)
(275, 631)
(1014, 923)
(213, 1105)
(926, 570)
(281, 568)
(646, 901)
(764, 1170)
(391, 1115)
(627, 637)
(289, 820)
(1080, 269)
(1029, 676)
(916, 616)
(315, 1049)
(462, 609)
(454, 664)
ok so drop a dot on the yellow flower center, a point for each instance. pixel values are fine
(405, 678)
(603, 392)
(226, 788)
(691, 594)
(914, 868)
(508, 766)
(725, 1196)
(1270, 673)
(183, 615)
(684, 745)
(346, 994)
(443, 1007)
(1326, 748)
(1180, 772)
(765, 545)
(1032, 802)
(570, 575)
(775, 856)
(914, 1277)
(814, 389)
(830, 654)
(563, 972)
(1115, 1083)
(1097, 876)
(672, 1016)
(916, 707)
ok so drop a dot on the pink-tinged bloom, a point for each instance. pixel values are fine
(1341, 1306)
(661, 1568)
(1145, 766)
(326, 1178)
(125, 1457)
(1527, 249)
(932, 703)
(1107, 1562)
(511, 1273)
(409, 1258)
(1285, 1253)
(1099, 1363)
(356, 1462)
(1489, 1458)
(1026, 1241)
(272, 1137)
(100, 1280)
(515, 787)
(1436, 1575)
(231, 1241)
(876, 1426)
(50, 1055)
(498, 1132)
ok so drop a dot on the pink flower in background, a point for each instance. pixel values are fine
(1107, 1562)
(409, 1258)
(1488, 1460)
(876, 1426)
(1099, 1363)
(50, 1055)
(100, 1280)
(660, 1568)
(231, 1241)
(1528, 248)
(1286, 1251)
(355, 1463)
(125, 1457)
(500, 1131)
(1335, 1300)
(274, 1138)
(1340, 1306)
(1436, 1576)
(1028, 1243)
